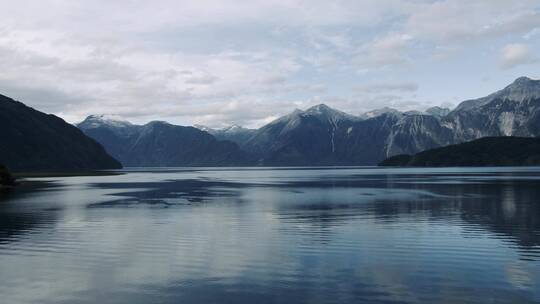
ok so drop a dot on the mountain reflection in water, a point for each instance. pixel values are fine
(269, 235)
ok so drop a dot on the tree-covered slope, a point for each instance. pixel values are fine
(34, 141)
(487, 151)
(5, 177)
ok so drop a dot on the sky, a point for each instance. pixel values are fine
(223, 62)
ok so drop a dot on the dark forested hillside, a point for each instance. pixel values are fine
(487, 151)
(34, 141)
(5, 177)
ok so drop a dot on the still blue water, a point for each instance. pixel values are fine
(282, 235)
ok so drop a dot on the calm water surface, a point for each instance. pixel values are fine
(249, 235)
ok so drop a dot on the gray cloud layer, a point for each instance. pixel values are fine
(220, 62)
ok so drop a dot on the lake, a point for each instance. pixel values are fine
(274, 235)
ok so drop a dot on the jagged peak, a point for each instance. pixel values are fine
(105, 117)
(521, 89)
(321, 108)
(234, 128)
(97, 120)
(287, 117)
(379, 112)
(413, 112)
(324, 111)
(523, 85)
(436, 108)
(437, 111)
(296, 111)
(523, 80)
(319, 111)
(203, 128)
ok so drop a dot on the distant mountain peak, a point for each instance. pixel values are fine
(379, 112)
(203, 128)
(413, 112)
(233, 129)
(288, 117)
(438, 111)
(97, 120)
(524, 85)
(523, 88)
(323, 111)
(319, 108)
(523, 80)
(106, 117)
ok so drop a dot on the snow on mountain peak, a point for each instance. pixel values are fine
(326, 112)
(94, 121)
(523, 88)
(232, 128)
(203, 128)
(320, 108)
(379, 112)
(437, 111)
(523, 80)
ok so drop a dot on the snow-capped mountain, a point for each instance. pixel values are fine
(204, 128)
(328, 114)
(438, 111)
(234, 133)
(514, 110)
(321, 135)
(114, 121)
(301, 137)
(521, 89)
(379, 112)
(310, 137)
(159, 143)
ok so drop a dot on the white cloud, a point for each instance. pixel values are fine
(458, 21)
(407, 87)
(381, 52)
(203, 79)
(399, 95)
(516, 54)
(221, 61)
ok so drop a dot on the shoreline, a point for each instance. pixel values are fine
(21, 175)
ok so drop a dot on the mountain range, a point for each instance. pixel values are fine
(160, 144)
(321, 135)
(234, 133)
